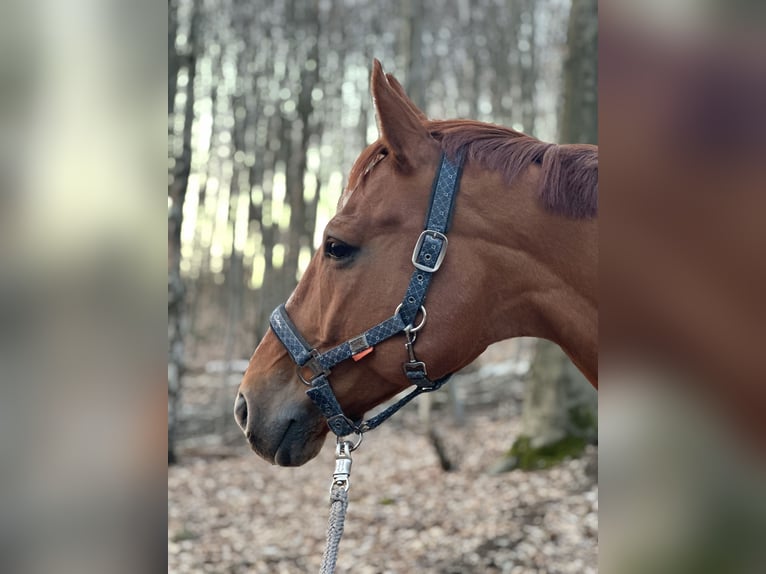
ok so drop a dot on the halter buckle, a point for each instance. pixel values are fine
(316, 367)
(430, 258)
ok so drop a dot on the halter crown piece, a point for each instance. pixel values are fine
(427, 257)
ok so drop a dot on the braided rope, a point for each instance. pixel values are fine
(338, 506)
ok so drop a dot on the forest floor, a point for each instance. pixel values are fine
(229, 511)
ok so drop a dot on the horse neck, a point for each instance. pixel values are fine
(544, 268)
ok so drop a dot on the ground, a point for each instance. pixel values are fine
(236, 513)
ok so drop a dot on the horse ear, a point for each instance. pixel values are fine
(399, 89)
(400, 122)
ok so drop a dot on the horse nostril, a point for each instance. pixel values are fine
(240, 411)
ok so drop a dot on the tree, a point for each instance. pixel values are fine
(560, 406)
(579, 113)
(179, 179)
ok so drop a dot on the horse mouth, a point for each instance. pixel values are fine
(299, 443)
(284, 455)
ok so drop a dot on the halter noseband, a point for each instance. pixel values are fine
(427, 257)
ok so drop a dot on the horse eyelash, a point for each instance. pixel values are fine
(378, 158)
(330, 241)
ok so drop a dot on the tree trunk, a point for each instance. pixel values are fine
(560, 411)
(559, 414)
(172, 58)
(413, 11)
(234, 280)
(529, 70)
(176, 288)
(579, 115)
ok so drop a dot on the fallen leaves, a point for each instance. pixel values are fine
(241, 514)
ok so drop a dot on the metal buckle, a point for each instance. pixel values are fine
(434, 266)
(316, 368)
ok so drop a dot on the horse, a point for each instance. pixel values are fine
(514, 253)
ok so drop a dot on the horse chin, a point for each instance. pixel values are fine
(291, 441)
(299, 446)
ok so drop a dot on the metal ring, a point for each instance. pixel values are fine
(420, 326)
(343, 483)
(352, 446)
(300, 376)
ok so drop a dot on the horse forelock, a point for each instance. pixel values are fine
(363, 165)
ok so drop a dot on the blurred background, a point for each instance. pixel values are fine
(84, 136)
(269, 106)
(682, 405)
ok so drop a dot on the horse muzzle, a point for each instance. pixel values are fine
(287, 431)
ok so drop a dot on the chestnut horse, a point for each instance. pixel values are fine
(522, 261)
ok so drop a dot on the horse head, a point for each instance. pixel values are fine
(493, 283)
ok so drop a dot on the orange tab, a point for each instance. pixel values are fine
(362, 354)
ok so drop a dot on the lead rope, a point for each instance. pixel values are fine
(338, 503)
(338, 506)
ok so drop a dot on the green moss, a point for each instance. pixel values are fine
(184, 534)
(529, 458)
(583, 419)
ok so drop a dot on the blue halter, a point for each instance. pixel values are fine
(427, 257)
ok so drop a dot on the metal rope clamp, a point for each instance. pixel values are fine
(343, 450)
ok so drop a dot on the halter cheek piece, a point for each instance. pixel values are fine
(427, 257)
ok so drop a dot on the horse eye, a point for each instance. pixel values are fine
(337, 249)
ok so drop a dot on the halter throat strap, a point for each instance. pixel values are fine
(427, 257)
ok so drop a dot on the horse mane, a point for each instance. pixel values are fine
(569, 182)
